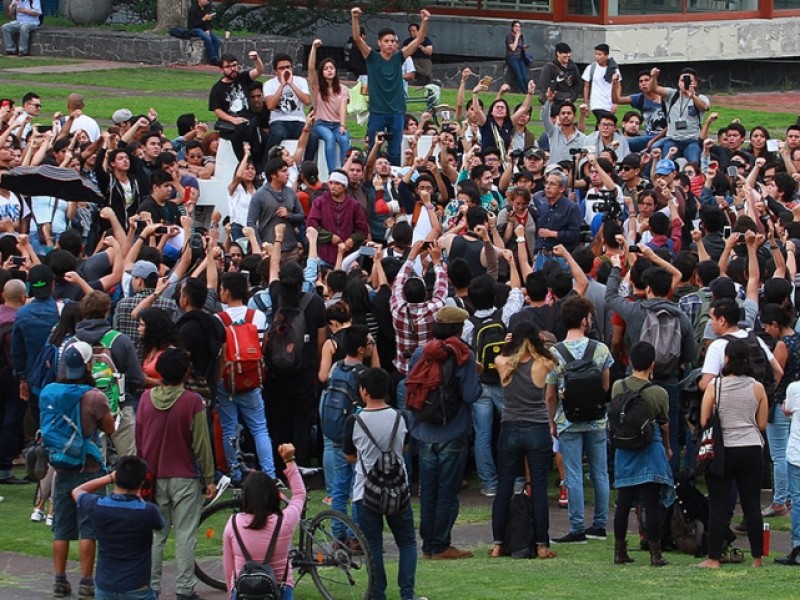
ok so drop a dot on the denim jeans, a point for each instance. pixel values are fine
(639, 142)
(519, 72)
(342, 490)
(393, 123)
(408, 455)
(483, 410)
(402, 527)
(286, 594)
(250, 407)
(23, 30)
(793, 476)
(146, 594)
(572, 446)
(292, 130)
(441, 470)
(778, 437)
(328, 465)
(688, 149)
(212, 42)
(674, 418)
(520, 440)
(328, 132)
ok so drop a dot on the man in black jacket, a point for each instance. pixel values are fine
(561, 75)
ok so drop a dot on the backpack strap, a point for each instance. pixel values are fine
(360, 421)
(225, 318)
(561, 348)
(249, 315)
(259, 302)
(273, 541)
(108, 339)
(590, 348)
(245, 553)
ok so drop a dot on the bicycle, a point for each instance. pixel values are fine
(336, 567)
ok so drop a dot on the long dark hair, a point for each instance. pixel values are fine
(738, 354)
(325, 88)
(159, 330)
(70, 317)
(260, 498)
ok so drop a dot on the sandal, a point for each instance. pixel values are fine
(495, 552)
(736, 556)
(545, 553)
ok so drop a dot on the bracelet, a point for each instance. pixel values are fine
(288, 460)
(520, 240)
(305, 130)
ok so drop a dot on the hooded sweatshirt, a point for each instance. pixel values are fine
(173, 437)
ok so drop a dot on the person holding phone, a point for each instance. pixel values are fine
(201, 13)
(685, 110)
(24, 17)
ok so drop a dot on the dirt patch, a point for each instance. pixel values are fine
(785, 102)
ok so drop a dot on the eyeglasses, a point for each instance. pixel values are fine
(230, 66)
(626, 168)
(36, 105)
(491, 159)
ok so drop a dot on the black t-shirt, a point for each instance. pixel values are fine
(203, 335)
(231, 97)
(382, 311)
(168, 214)
(315, 320)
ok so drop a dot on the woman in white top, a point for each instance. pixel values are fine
(240, 192)
(330, 107)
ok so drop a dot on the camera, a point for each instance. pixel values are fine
(687, 81)
(388, 136)
(607, 204)
(515, 154)
(574, 151)
(18, 260)
(163, 229)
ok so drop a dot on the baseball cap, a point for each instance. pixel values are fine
(632, 160)
(40, 278)
(121, 116)
(76, 356)
(143, 269)
(722, 287)
(537, 152)
(665, 166)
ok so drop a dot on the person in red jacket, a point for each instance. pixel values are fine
(338, 217)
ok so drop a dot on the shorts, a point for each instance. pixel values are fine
(68, 523)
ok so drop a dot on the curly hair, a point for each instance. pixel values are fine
(159, 330)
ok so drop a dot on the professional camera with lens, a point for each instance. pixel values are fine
(516, 154)
(574, 151)
(608, 204)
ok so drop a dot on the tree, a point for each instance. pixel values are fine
(172, 13)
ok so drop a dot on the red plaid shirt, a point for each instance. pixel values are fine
(412, 320)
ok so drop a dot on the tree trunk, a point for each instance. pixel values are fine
(172, 13)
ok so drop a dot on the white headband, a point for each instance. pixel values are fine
(338, 178)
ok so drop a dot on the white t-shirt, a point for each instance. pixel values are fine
(715, 355)
(589, 211)
(290, 108)
(237, 314)
(87, 124)
(792, 405)
(238, 204)
(12, 208)
(600, 91)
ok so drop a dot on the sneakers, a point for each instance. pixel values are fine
(61, 589)
(85, 592)
(792, 559)
(327, 500)
(37, 516)
(595, 533)
(775, 510)
(48, 520)
(563, 499)
(740, 527)
(571, 538)
(488, 492)
(452, 553)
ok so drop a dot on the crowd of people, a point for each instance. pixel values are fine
(640, 260)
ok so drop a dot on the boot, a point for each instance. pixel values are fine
(621, 556)
(656, 560)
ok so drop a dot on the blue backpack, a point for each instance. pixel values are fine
(44, 370)
(339, 400)
(60, 425)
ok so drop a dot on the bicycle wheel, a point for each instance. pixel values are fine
(336, 570)
(208, 553)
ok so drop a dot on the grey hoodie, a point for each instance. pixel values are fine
(633, 313)
(123, 353)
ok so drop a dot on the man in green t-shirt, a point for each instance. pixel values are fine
(387, 102)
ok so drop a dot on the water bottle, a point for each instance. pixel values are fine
(766, 539)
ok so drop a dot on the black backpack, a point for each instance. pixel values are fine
(441, 403)
(628, 423)
(386, 489)
(257, 581)
(584, 398)
(288, 337)
(488, 339)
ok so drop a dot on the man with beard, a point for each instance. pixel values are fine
(562, 135)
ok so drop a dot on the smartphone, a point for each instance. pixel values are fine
(43, 128)
(18, 260)
(732, 171)
(366, 251)
(687, 82)
(486, 80)
(713, 165)
(726, 231)
(140, 225)
(246, 274)
(634, 249)
(773, 145)
(162, 230)
(446, 115)
(427, 245)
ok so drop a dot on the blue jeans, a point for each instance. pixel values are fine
(402, 527)
(342, 490)
(286, 594)
(572, 446)
(292, 130)
(542, 259)
(520, 440)
(639, 142)
(483, 410)
(793, 476)
(24, 31)
(408, 455)
(441, 470)
(250, 407)
(328, 132)
(778, 437)
(688, 149)
(146, 594)
(674, 418)
(212, 42)
(519, 72)
(328, 465)
(393, 123)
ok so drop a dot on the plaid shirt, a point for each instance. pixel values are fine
(691, 303)
(412, 320)
(125, 323)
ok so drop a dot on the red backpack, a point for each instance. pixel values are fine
(244, 359)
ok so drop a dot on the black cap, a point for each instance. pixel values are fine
(522, 175)
(632, 160)
(40, 278)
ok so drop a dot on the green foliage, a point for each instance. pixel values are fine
(137, 11)
(284, 17)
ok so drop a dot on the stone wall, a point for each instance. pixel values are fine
(149, 48)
